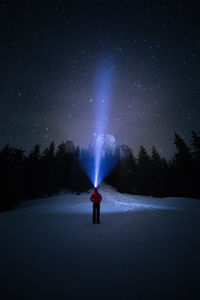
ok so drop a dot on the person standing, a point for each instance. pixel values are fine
(96, 199)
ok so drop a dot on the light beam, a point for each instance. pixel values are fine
(99, 159)
(103, 98)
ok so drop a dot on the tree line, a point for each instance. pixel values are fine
(42, 174)
(39, 174)
(151, 174)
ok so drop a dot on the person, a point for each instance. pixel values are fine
(96, 199)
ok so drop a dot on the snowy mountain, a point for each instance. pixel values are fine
(106, 141)
(108, 144)
(144, 248)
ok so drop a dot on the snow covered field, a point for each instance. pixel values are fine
(144, 248)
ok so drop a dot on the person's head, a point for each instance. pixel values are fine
(95, 190)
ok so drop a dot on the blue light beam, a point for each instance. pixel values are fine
(96, 161)
(103, 98)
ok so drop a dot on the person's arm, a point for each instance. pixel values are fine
(100, 197)
(91, 198)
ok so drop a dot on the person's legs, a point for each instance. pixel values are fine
(94, 213)
(98, 213)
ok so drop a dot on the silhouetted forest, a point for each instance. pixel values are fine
(42, 174)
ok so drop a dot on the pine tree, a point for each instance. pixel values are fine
(183, 154)
(35, 153)
(196, 145)
(126, 172)
(34, 176)
(11, 176)
(182, 168)
(49, 169)
(158, 174)
(143, 157)
(155, 157)
(143, 183)
(196, 155)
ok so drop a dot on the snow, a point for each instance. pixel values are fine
(144, 248)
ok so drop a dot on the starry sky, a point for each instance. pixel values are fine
(51, 52)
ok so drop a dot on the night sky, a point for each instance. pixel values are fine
(51, 52)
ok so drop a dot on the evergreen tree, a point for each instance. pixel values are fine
(155, 157)
(113, 175)
(79, 182)
(11, 176)
(143, 157)
(183, 154)
(126, 180)
(143, 183)
(61, 167)
(123, 175)
(158, 174)
(196, 146)
(196, 169)
(49, 169)
(49, 152)
(34, 178)
(182, 169)
(35, 153)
